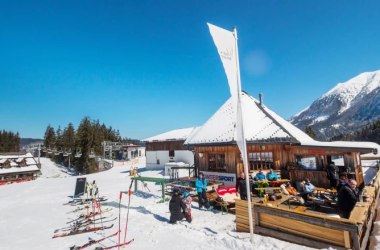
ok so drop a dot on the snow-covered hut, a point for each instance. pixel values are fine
(17, 167)
(272, 142)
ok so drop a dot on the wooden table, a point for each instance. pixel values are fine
(320, 190)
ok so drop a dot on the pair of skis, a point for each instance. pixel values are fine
(92, 242)
(81, 231)
(79, 224)
(91, 214)
(85, 201)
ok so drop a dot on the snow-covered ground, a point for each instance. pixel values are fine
(31, 211)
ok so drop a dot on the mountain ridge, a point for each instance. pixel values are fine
(345, 108)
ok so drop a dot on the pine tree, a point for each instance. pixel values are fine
(49, 138)
(310, 132)
(84, 140)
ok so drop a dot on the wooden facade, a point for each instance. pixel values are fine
(279, 157)
(165, 145)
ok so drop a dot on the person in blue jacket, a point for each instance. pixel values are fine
(260, 176)
(200, 185)
(272, 176)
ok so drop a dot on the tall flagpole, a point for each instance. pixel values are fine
(244, 143)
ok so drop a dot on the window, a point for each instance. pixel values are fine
(216, 162)
(171, 153)
(307, 162)
(263, 160)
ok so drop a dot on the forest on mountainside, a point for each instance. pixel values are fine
(370, 133)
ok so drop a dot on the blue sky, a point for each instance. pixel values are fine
(146, 67)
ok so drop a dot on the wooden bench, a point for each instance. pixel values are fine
(269, 190)
(228, 195)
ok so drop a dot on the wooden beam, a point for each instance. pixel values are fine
(347, 240)
(293, 238)
(323, 222)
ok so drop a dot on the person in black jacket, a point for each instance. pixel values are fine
(241, 186)
(347, 198)
(332, 174)
(176, 207)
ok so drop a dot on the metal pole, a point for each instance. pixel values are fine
(39, 153)
(244, 153)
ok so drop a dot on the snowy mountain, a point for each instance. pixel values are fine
(345, 108)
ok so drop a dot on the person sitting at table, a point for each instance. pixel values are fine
(347, 198)
(308, 189)
(260, 176)
(343, 180)
(272, 176)
(291, 190)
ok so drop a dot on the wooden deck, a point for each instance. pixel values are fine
(304, 226)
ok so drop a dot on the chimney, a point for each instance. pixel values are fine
(261, 98)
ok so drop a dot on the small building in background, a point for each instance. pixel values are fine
(17, 167)
(169, 147)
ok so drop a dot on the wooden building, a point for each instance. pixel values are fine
(169, 147)
(17, 167)
(272, 142)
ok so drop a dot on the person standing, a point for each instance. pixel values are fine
(332, 174)
(241, 186)
(347, 198)
(176, 207)
(186, 198)
(201, 185)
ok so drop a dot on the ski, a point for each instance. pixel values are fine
(81, 231)
(86, 217)
(92, 242)
(77, 209)
(85, 201)
(114, 246)
(80, 224)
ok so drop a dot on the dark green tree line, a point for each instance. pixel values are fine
(9, 141)
(87, 140)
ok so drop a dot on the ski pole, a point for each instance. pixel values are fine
(119, 218)
(129, 202)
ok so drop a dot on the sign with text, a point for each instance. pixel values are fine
(227, 178)
(80, 186)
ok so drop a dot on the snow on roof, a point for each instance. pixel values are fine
(260, 125)
(173, 135)
(358, 145)
(30, 161)
(3, 161)
(19, 169)
(13, 164)
(20, 159)
(14, 159)
(15, 156)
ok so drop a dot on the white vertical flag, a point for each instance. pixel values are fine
(226, 44)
